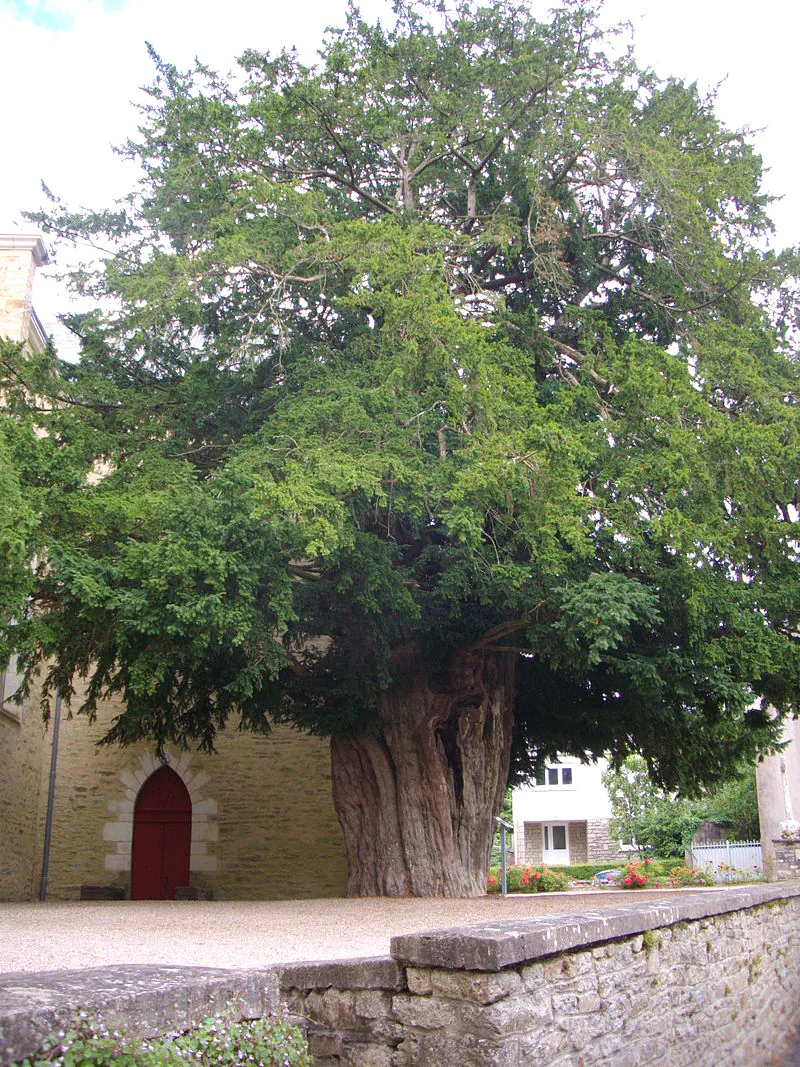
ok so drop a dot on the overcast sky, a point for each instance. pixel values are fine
(69, 70)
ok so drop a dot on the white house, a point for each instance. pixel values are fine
(563, 817)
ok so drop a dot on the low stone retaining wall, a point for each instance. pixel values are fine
(714, 976)
(145, 1000)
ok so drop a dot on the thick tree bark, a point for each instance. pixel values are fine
(417, 799)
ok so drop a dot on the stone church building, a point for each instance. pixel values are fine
(255, 820)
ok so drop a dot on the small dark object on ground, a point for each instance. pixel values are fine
(102, 892)
(192, 892)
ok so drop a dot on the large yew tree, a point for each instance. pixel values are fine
(439, 399)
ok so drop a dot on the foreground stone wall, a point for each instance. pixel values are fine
(713, 977)
(633, 984)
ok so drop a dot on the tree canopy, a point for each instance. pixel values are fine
(465, 340)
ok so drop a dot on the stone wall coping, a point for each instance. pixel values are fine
(371, 972)
(147, 999)
(492, 946)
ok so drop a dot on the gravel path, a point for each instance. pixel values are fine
(236, 934)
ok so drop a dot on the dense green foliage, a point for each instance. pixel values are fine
(17, 497)
(463, 339)
(735, 805)
(644, 813)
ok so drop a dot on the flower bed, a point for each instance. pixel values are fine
(635, 874)
(683, 876)
(526, 879)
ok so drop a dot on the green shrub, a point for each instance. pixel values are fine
(583, 872)
(269, 1042)
(513, 878)
(550, 881)
(660, 868)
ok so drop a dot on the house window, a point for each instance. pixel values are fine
(10, 681)
(553, 776)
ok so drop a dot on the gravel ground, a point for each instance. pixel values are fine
(237, 934)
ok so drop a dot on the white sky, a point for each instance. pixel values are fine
(69, 70)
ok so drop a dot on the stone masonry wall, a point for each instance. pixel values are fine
(644, 985)
(786, 862)
(263, 823)
(531, 851)
(17, 269)
(23, 751)
(19, 257)
(600, 845)
(578, 842)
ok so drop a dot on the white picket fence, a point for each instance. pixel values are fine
(744, 856)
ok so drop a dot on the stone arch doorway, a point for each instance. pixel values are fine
(162, 837)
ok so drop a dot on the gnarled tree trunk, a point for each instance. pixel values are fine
(417, 799)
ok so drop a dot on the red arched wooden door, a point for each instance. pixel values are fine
(162, 837)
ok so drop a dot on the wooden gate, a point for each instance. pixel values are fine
(162, 837)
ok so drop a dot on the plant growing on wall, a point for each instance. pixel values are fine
(220, 1041)
(439, 400)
